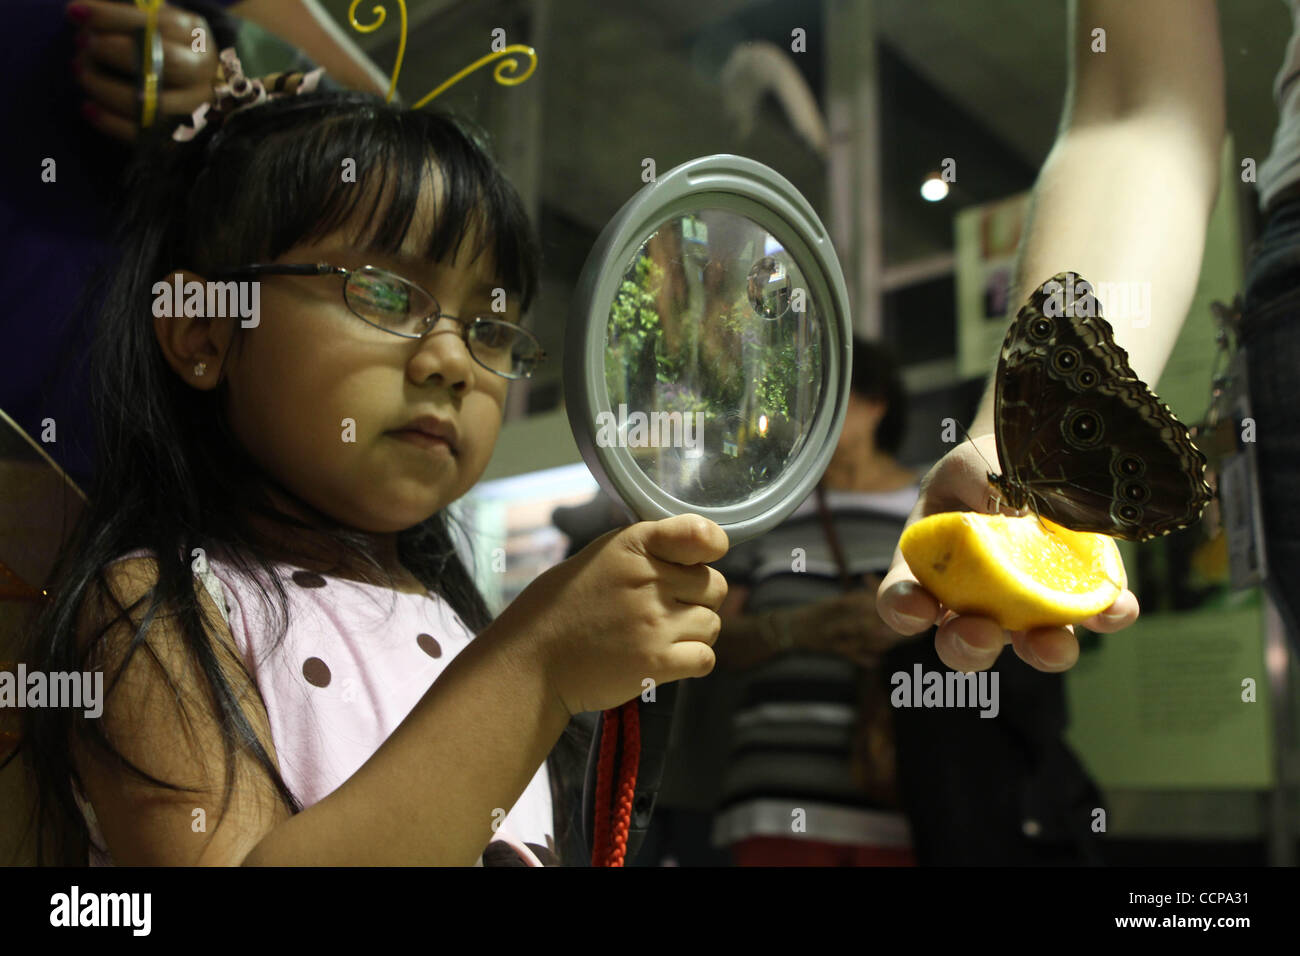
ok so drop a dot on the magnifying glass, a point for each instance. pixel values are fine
(706, 370)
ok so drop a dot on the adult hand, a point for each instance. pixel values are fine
(847, 624)
(108, 63)
(965, 642)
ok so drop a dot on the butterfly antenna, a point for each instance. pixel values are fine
(992, 470)
(976, 447)
(1034, 508)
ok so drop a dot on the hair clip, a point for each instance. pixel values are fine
(507, 65)
(233, 91)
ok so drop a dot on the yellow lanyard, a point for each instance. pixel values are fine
(152, 62)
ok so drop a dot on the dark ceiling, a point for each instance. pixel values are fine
(620, 81)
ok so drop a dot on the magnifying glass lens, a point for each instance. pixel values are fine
(714, 358)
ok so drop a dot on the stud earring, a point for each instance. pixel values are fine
(200, 368)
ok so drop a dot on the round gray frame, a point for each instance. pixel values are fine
(747, 188)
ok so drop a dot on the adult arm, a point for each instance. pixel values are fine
(306, 25)
(1124, 195)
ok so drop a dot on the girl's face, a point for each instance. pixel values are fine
(317, 395)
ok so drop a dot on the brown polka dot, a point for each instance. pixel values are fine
(429, 645)
(308, 579)
(316, 671)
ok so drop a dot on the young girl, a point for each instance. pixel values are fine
(298, 668)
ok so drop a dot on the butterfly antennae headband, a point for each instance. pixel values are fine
(502, 74)
(233, 91)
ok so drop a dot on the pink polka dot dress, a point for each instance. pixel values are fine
(355, 660)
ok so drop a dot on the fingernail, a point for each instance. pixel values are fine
(78, 13)
(90, 111)
(967, 648)
(912, 623)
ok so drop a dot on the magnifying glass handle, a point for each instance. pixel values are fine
(656, 721)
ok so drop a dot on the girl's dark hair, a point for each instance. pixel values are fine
(876, 375)
(170, 475)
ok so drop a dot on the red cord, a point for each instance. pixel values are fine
(610, 849)
(627, 782)
(604, 770)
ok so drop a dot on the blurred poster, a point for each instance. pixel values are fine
(987, 238)
(509, 523)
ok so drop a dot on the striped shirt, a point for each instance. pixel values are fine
(793, 717)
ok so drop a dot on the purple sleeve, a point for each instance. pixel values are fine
(54, 235)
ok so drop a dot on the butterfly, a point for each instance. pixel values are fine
(1083, 441)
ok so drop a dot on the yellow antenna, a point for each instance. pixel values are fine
(382, 14)
(510, 65)
(502, 74)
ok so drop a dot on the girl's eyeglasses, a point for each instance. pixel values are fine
(393, 304)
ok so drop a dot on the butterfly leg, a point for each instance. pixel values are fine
(995, 503)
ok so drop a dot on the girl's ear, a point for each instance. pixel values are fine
(185, 309)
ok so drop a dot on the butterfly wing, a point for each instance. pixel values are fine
(1089, 445)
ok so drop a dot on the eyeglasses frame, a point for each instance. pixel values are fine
(323, 268)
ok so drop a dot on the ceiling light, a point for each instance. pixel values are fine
(934, 188)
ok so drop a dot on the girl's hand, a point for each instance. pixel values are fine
(108, 65)
(636, 603)
(967, 642)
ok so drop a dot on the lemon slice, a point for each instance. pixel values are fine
(1022, 572)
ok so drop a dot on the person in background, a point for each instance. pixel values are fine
(810, 778)
(62, 167)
